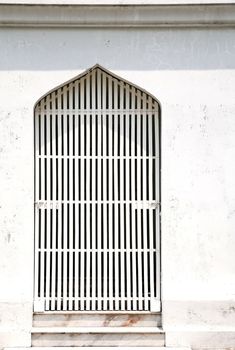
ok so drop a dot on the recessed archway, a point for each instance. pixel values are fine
(97, 196)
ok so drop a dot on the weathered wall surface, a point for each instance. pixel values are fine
(192, 73)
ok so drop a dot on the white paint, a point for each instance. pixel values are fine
(192, 73)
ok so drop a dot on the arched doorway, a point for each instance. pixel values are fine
(97, 196)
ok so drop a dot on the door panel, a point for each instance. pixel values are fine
(97, 196)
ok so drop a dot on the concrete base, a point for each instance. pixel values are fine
(201, 339)
(98, 339)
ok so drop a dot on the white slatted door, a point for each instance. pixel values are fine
(97, 196)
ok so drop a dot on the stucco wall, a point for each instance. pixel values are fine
(192, 73)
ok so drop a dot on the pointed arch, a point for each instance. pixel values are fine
(91, 71)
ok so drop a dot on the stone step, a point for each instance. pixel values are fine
(96, 330)
(102, 348)
(96, 319)
(97, 336)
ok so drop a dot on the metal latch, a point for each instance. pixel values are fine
(146, 205)
(47, 205)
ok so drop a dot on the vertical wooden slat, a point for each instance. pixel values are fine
(76, 183)
(54, 210)
(127, 176)
(133, 206)
(151, 266)
(48, 210)
(157, 150)
(116, 205)
(59, 203)
(42, 174)
(122, 179)
(105, 229)
(88, 228)
(99, 181)
(139, 184)
(36, 208)
(110, 205)
(71, 184)
(65, 218)
(144, 232)
(82, 183)
(93, 193)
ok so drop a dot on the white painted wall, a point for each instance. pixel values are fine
(192, 73)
